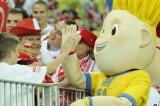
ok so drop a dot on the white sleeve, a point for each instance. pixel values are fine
(23, 73)
(154, 97)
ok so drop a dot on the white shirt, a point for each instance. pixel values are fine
(11, 95)
(45, 32)
(154, 98)
(22, 73)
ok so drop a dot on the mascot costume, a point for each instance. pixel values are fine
(125, 47)
(153, 69)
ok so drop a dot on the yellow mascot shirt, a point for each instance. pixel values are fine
(132, 84)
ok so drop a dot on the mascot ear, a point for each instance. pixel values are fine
(146, 37)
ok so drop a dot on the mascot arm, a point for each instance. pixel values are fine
(103, 101)
(71, 67)
(110, 101)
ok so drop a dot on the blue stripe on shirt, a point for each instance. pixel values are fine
(130, 98)
(88, 81)
(90, 101)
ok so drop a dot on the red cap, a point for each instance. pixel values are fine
(26, 27)
(88, 37)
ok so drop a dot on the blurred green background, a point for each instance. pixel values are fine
(63, 4)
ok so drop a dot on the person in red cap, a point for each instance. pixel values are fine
(51, 48)
(84, 50)
(28, 32)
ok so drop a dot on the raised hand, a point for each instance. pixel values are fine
(69, 30)
(70, 39)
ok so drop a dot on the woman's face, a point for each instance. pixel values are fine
(82, 49)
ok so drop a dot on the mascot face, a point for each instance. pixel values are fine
(124, 43)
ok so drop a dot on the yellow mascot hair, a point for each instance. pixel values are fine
(146, 10)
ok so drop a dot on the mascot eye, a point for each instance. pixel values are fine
(114, 29)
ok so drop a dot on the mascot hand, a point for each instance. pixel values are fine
(69, 30)
(69, 39)
(78, 103)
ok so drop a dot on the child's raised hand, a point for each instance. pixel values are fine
(70, 39)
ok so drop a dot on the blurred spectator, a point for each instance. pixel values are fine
(19, 3)
(28, 32)
(25, 4)
(64, 15)
(54, 11)
(40, 13)
(14, 16)
(69, 14)
(51, 48)
(3, 14)
(73, 14)
(95, 15)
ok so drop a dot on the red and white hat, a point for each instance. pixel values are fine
(26, 27)
(87, 36)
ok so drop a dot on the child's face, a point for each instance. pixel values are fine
(82, 49)
(32, 43)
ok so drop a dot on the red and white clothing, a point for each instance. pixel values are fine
(45, 32)
(47, 55)
(45, 35)
(3, 14)
(22, 73)
(87, 64)
(25, 59)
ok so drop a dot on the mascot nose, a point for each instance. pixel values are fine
(101, 39)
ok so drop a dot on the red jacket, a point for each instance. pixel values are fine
(5, 9)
